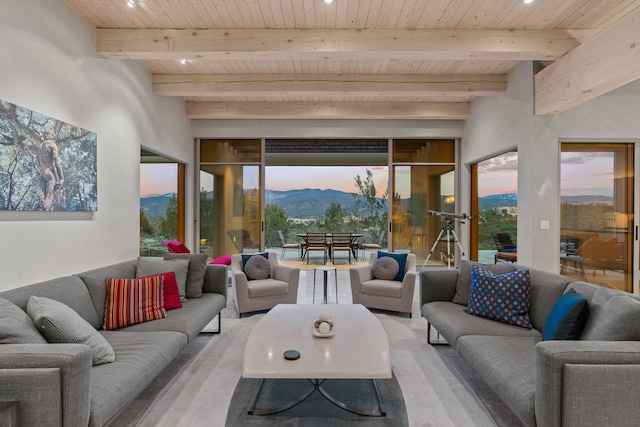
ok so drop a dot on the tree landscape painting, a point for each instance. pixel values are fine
(45, 164)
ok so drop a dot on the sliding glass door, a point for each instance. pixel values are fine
(597, 206)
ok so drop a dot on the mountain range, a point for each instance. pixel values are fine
(312, 203)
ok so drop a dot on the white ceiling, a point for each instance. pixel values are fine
(414, 59)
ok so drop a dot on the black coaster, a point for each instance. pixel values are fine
(292, 354)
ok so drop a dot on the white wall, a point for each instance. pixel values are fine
(48, 64)
(500, 124)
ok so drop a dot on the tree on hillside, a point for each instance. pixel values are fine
(168, 225)
(335, 218)
(370, 210)
(493, 222)
(275, 220)
(145, 226)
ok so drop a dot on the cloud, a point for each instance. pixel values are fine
(579, 158)
(504, 163)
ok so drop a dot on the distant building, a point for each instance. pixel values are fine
(510, 210)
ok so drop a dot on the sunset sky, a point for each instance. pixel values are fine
(582, 173)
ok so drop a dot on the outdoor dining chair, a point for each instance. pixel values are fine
(341, 242)
(315, 242)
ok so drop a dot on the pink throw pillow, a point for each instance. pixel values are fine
(223, 259)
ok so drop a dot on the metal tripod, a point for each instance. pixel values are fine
(448, 229)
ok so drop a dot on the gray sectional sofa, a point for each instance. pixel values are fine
(591, 381)
(56, 384)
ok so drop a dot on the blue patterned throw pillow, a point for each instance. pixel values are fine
(503, 297)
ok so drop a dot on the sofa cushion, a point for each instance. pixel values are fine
(504, 297)
(195, 273)
(16, 327)
(613, 316)
(400, 258)
(257, 268)
(385, 268)
(131, 301)
(567, 318)
(140, 358)
(69, 290)
(453, 322)
(152, 267)
(508, 366)
(194, 315)
(463, 285)
(267, 287)
(96, 282)
(383, 288)
(546, 290)
(60, 324)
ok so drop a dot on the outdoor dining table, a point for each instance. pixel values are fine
(354, 238)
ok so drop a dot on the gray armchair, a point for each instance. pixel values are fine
(281, 287)
(390, 295)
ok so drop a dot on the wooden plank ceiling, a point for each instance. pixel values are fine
(382, 59)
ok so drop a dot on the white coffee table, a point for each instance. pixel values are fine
(359, 349)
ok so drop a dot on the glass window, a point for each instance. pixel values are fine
(161, 203)
(495, 205)
(596, 238)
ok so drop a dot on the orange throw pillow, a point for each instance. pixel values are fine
(131, 301)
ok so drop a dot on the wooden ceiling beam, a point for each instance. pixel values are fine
(314, 44)
(608, 61)
(409, 85)
(327, 110)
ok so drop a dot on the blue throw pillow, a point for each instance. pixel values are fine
(503, 297)
(402, 262)
(567, 317)
(245, 257)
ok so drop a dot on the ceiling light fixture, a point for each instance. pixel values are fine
(528, 1)
(183, 61)
(328, 1)
(132, 3)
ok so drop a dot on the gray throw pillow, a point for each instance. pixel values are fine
(153, 267)
(385, 268)
(58, 323)
(463, 285)
(257, 268)
(195, 274)
(613, 316)
(16, 327)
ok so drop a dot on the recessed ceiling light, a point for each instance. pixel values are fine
(328, 1)
(528, 1)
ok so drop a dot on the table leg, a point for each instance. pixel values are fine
(326, 276)
(317, 386)
(314, 287)
(336, 277)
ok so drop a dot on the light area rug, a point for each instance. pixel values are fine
(434, 394)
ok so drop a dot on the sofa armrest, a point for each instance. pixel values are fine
(437, 285)
(587, 383)
(215, 279)
(35, 362)
(286, 273)
(409, 283)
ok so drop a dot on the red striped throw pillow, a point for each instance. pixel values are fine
(131, 301)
